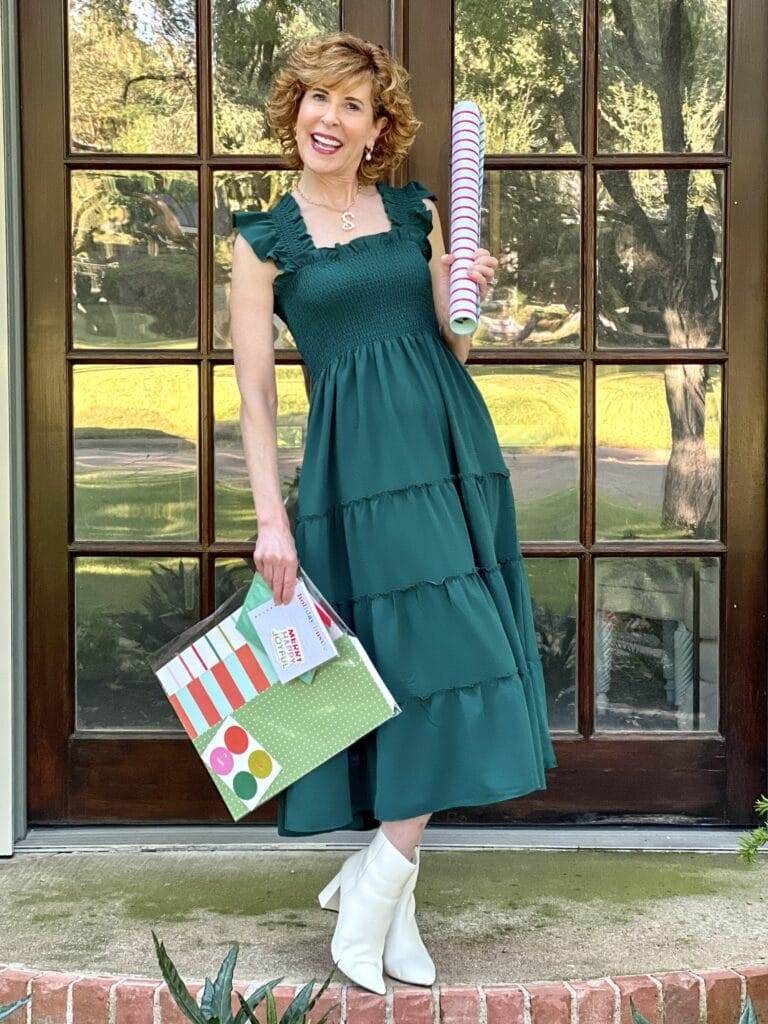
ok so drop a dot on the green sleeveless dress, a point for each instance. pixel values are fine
(406, 522)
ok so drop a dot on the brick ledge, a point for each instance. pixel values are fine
(712, 996)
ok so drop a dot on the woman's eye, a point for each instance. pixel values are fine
(321, 96)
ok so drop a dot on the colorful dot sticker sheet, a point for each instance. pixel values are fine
(244, 765)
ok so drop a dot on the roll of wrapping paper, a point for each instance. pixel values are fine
(467, 166)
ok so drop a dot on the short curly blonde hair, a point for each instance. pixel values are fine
(334, 58)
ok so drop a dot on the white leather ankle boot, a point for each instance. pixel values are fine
(365, 893)
(405, 955)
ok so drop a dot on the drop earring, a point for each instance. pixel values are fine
(368, 153)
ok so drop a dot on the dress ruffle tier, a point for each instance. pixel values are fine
(406, 522)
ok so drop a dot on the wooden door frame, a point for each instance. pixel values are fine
(713, 777)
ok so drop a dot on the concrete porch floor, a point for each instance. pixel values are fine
(488, 916)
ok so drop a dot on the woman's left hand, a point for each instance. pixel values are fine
(482, 271)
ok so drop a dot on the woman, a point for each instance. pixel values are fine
(405, 514)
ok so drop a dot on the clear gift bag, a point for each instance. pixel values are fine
(268, 692)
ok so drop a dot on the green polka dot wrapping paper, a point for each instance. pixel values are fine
(256, 735)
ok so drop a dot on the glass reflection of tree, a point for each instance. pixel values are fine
(660, 256)
(134, 239)
(132, 76)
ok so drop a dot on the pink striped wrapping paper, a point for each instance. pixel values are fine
(467, 165)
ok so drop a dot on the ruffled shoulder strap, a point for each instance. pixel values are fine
(407, 202)
(416, 193)
(406, 207)
(258, 229)
(278, 233)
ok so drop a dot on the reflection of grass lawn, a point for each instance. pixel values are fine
(553, 517)
(529, 408)
(616, 521)
(556, 517)
(235, 514)
(113, 585)
(540, 408)
(155, 505)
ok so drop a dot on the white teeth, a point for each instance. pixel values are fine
(326, 142)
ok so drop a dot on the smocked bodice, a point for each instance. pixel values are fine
(336, 298)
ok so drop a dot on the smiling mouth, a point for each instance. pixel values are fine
(323, 145)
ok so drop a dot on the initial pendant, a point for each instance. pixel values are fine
(347, 220)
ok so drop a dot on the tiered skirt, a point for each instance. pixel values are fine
(406, 522)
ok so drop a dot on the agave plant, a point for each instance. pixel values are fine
(8, 1008)
(750, 843)
(216, 1001)
(748, 1015)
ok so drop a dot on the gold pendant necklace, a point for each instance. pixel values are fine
(347, 216)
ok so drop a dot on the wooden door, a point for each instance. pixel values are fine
(621, 354)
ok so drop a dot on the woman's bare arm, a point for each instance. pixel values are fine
(251, 319)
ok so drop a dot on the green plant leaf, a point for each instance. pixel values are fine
(748, 1015)
(296, 1012)
(637, 1017)
(8, 1008)
(206, 1000)
(323, 987)
(245, 1011)
(271, 1008)
(181, 994)
(304, 1010)
(246, 1005)
(222, 987)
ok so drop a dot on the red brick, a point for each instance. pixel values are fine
(595, 1000)
(13, 986)
(459, 1004)
(680, 993)
(134, 1001)
(645, 995)
(169, 1011)
(90, 1000)
(723, 993)
(49, 997)
(550, 1003)
(365, 1007)
(757, 987)
(505, 1004)
(412, 1004)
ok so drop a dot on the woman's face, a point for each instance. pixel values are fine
(343, 117)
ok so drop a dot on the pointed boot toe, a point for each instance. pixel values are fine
(405, 956)
(364, 974)
(366, 891)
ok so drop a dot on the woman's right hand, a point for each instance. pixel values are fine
(275, 558)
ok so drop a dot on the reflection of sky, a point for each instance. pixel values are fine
(144, 12)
